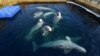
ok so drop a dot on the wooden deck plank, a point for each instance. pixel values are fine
(12, 2)
(89, 3)
(40, 1)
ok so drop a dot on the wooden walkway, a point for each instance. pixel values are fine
(94, 4)
(35, 1)
(12, 2)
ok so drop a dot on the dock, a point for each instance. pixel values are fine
(92, 3)
(12, 2)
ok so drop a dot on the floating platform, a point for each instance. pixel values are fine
(9, 11)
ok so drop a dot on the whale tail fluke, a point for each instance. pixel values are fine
(35, 46)
(45, 33)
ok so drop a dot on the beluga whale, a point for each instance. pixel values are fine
(38, 14)
(44, 8)
(48, 14)
(46, 29)
(66, 45)
(58, 17)
(34, 29)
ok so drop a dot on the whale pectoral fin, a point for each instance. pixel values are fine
(35, 47)
(68, 38)
(45, 33)
(66, 51)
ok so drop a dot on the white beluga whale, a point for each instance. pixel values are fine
(44, 8)
(48, 14)
(34, 29)
(38, 14)
(46, 30)
(58, 17)
(67, 45)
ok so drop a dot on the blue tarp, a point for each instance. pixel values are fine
(9, 11)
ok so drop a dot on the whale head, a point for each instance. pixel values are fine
(80, 49)
(71, 45)
(40, 20)
(59, 15)
(46, 30)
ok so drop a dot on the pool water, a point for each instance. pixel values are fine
(76, 23)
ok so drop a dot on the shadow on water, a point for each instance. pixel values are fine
(76, 22)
